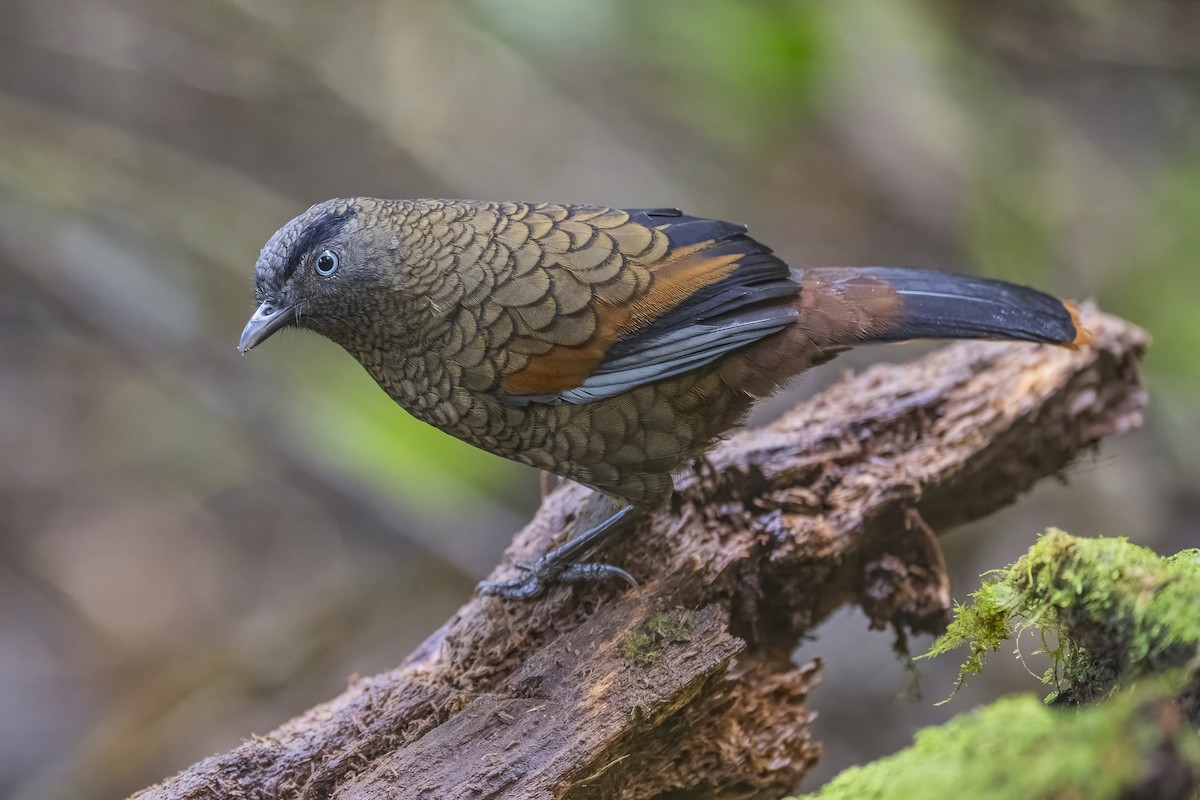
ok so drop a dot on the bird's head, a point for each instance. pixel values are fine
(320, 270)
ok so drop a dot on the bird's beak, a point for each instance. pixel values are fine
(266, 320)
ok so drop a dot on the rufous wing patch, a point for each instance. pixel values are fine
(679, 275)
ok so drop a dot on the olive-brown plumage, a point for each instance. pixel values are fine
(606, 346)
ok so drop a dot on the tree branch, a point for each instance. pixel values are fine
(689, 684)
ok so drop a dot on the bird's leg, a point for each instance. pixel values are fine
(562, 565)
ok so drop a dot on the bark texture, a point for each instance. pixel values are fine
(688, 685)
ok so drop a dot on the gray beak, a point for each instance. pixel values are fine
(266, 320)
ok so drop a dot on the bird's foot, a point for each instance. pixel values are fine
(561, 565)
(536, 578)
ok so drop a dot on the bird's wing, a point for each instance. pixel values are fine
(617, 299)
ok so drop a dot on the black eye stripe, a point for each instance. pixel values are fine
(325, 227)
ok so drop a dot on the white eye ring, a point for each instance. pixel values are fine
(327, 263)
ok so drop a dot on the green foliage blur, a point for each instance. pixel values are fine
(194, 545)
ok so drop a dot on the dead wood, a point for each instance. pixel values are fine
(688, 685)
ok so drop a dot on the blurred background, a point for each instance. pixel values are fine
(195, 547)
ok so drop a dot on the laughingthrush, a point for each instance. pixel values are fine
(607, 346)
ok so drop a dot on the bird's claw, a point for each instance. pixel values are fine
(525, 587)
(583, 573)
(546, 572)
(561, 565)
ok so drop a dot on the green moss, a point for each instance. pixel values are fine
(647, 646)
(1111, 615)
(1019, 748)
(1108, 613)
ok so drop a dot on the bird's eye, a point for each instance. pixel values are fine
(326, 263)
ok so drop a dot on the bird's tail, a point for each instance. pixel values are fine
(842, 307)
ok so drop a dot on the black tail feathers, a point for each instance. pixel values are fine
(937, 305)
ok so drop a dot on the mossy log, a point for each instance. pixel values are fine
(688, 685)
(1117, 613)
(1119, 622)
(1134, 747)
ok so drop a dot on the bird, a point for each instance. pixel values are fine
(607, 346)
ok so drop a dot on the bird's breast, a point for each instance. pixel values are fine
(627, 446)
